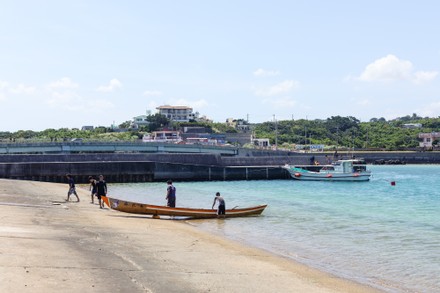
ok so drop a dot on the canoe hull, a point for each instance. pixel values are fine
(147, 209)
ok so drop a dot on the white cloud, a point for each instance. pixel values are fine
(113, 85)
(66, 100)
(281, 103)
(278, 89)
(153, 93)
(391, 68)
(23, 89)
(424, 76)
(64, 82)
(263, 72)
(73, 102)
(3, 84)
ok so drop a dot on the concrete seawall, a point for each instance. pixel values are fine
(132, 167)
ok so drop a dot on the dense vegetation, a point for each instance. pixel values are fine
(335, 131)
(124, 132)
(349, 132)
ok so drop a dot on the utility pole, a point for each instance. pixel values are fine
(276, 132)
(337, 137)
(305, 135)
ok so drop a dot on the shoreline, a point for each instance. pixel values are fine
(49, 245)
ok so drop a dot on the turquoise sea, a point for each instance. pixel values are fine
(376, 233)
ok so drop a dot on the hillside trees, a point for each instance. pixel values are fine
(335, 131)
(348, 132)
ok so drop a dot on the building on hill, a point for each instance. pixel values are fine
(140, 121)
(412, 125)
(177, 113)
(240, 125)
(163, 136)
(261, 142)
(427, 139)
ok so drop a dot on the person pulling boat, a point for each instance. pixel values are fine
(221, 205)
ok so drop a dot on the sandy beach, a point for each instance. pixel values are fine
(49, 245)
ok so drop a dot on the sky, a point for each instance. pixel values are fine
(67, 64)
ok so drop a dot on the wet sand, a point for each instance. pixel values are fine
(49, 245)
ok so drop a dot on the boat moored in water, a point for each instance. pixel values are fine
(341, 170)
(155, 211)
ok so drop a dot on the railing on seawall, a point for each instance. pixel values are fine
(112, 147)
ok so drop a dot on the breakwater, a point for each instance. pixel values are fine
(149, 167)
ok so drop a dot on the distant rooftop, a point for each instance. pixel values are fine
(174, 107)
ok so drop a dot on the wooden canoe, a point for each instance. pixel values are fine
(147, 209)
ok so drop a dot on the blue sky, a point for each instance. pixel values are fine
(74, 63)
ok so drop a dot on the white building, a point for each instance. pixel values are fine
(412, 125)
(163, 136)
(140, 120)
(261, 142)
(177, 113)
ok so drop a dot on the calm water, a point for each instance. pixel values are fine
(371, 232)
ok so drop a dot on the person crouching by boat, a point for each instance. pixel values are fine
(92, 188)
(221, 209)
(171, 195)
(101, 190)
(72, 188)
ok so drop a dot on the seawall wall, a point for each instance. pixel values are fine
(133, 167)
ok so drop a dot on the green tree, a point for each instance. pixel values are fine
(157, 121)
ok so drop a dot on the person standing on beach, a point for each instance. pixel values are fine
(72, 188)
(92, 188)
(101, 190)
(221, 209)
(171, 195)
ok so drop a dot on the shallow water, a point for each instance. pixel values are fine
(371, 232)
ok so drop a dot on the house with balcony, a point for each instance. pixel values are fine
(177, 113)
